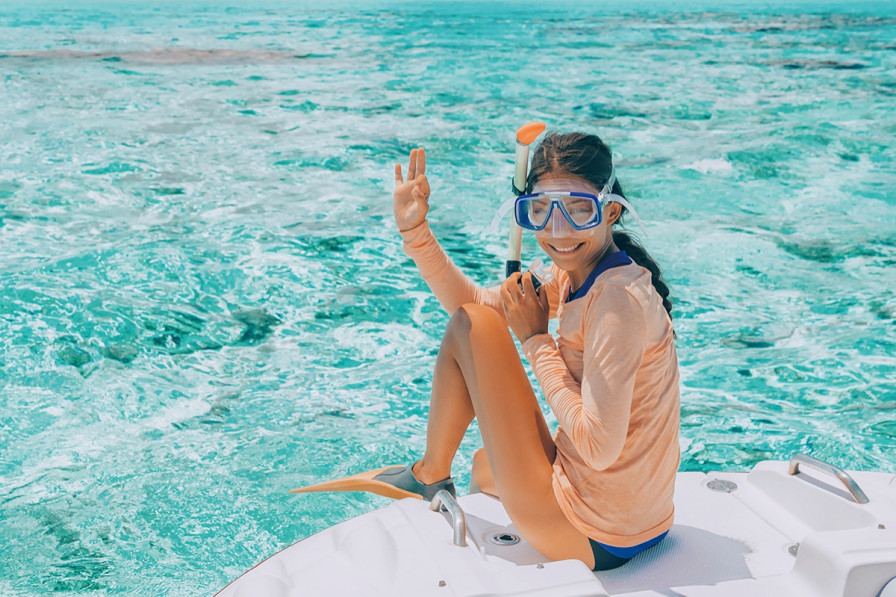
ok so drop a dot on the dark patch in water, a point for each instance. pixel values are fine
(167, 56)
(822, 251)
(750, 271)
(72, 355)
(259, 325)
(819, 252)
(79, 569)
(472, 258)
(8, 190)
(217, 415)
(760, 164)
(685, 112)
(747, 342)
(306, 106)
(887, 428)
(611, 111)
(122, 353)
(176, 343)
(745, 372)
(809, 64)
(344, 313)
(111, 168)
(180, 333)
(883, 310)
(165, 191)
(326, 246)
(339, 413)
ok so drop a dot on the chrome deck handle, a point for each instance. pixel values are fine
(458, 521)
(822, 466)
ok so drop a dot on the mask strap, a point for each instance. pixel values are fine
(617, 199)
(502, 211)
(608, 195)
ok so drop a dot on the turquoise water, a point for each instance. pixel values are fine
(205, 304)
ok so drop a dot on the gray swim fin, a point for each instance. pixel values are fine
(395, 482)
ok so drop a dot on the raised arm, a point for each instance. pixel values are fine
(410, 202)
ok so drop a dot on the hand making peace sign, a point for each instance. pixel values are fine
(411, 198)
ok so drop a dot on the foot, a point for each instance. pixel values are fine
(403, 477)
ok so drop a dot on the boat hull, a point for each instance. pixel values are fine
(766, 532)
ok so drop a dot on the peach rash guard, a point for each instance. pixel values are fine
(611, 379)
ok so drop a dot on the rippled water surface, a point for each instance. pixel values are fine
(204, 302)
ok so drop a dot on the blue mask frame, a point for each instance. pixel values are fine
(556, 198)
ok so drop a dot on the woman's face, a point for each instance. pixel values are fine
(575, 251)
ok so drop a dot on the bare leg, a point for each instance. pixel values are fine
(479, 372)
(450, 414)
(482, 480)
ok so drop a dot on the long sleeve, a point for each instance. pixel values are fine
(450, 285)
(595, 413)
(611, 379)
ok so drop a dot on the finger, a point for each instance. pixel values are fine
(398, 179)
(412, 165)
(512, 286)
(505, 288)
(512, 280)
(505, 296)
(528, 286)
(421, 162)
(543, 301)
(423, 185)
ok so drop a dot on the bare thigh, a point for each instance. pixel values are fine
(517, 441)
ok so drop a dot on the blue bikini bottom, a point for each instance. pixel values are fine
(607, 557)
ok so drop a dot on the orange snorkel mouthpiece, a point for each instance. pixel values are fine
(526, 134)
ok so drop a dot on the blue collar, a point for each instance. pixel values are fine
(608, 262)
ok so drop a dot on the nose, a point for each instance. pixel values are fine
(559, 226)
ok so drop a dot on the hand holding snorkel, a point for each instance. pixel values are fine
(410, 200)
(526, 310)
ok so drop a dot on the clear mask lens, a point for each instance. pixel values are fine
(580, 210)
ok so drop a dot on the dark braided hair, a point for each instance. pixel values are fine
(589, 158)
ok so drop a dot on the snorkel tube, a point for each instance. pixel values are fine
(525, 136)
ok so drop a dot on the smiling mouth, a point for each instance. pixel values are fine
(567, 249)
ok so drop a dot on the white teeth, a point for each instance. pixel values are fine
(569, 250)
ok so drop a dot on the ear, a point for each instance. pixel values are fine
(612, 212)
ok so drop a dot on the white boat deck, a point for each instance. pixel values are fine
(774, 534)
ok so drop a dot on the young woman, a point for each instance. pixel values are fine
(599, 490)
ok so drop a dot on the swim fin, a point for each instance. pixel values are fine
(396, 482)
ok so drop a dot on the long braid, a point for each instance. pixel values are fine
(640, 256)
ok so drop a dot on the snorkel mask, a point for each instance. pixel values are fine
(580, 211)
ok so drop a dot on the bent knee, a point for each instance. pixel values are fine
(472, 316)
